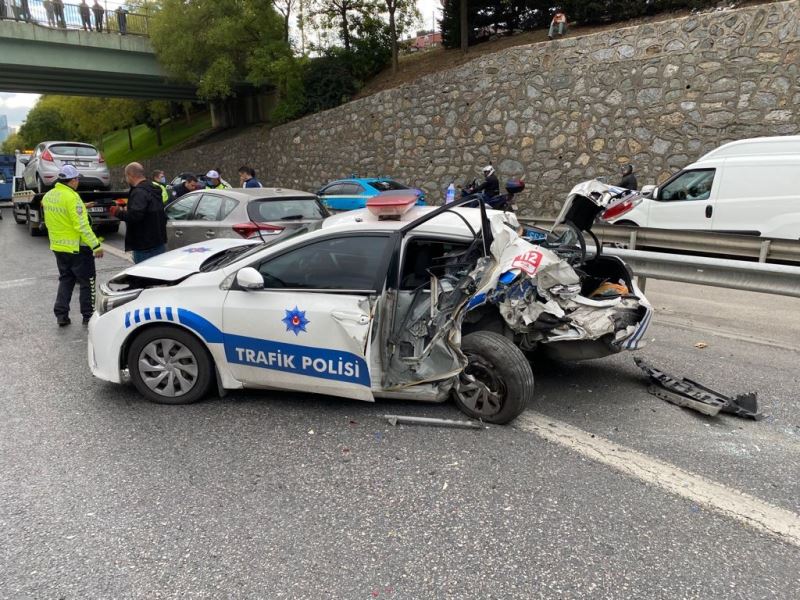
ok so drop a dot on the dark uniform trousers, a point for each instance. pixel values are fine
(74, 268)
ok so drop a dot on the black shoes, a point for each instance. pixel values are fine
(63, 321)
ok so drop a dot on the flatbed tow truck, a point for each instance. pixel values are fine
(27, 209)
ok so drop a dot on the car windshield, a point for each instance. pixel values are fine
(289, 209)
(231, 255)
(73, 150)
(385, 185)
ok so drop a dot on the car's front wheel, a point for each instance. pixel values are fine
(170, 366)
(497, 382)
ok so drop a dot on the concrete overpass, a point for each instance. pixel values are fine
(78, 63)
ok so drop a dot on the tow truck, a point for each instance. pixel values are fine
(27, 205)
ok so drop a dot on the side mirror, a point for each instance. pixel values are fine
(249, 279)
(648, 191)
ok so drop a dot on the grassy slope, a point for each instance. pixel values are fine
(115, 144)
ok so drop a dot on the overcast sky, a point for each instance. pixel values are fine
(16, 106)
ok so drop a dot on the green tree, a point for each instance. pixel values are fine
(285, 8)
(217, 44)
(47, 121)
(11, 143)
(403, 16)
(339, 14)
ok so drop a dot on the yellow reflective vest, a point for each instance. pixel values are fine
(164, 192)
(67, 221)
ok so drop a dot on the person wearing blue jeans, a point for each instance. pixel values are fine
(144, 216)
(142, 255)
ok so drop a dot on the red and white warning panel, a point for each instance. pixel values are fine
(392, 204)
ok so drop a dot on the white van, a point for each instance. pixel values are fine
(749, 187)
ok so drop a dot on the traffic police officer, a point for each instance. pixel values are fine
(73, 243)
(215, 181)
(160, 181)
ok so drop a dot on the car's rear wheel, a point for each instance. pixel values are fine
(170, 366)
(497, 382)
(40, 187)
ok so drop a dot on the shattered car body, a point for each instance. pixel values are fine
(543, 292)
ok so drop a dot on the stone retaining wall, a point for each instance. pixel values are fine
(657, 95)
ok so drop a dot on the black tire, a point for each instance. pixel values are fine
(34, 229)
(17, 219)
(40, 187)
(503, 376)
(172, 338)
(626, 223)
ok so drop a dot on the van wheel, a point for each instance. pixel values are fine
(170, 366)
(497, 382)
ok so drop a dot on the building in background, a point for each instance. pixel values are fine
(424, 40)
(5, 130)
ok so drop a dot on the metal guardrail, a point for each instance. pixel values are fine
(68, 16)
(783, 280)
(743, 247)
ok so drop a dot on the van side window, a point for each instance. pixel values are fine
(691, 185)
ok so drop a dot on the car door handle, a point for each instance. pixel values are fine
(178, 233)
(210, 233)
(709, 211)
(359, 318)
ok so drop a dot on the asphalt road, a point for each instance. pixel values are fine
(103, 495)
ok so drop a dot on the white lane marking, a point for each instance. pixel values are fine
(13, 283)
(720, 498)
(723, 333)
(117, 252)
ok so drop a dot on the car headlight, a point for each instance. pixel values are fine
(109, 299)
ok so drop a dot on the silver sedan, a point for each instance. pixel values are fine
(250, 213)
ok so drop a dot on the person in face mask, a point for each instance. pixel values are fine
(160, 181)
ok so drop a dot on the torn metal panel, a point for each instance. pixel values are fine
(691, 394)
(404, 420)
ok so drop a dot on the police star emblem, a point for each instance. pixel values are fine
(295, 321)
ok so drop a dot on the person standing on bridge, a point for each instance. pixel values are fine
(86, 16)
(58, 9)
(122, 20)
(145, 219)
(98, 16)
(23, 11)
(48, 9)
(73, 242)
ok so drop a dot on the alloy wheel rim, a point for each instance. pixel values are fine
(168, 368)
(481, 388)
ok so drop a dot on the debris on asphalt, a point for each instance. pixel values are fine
(403, 420)
(690, 394)
(701, 345)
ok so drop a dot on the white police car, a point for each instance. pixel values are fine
(371, 304)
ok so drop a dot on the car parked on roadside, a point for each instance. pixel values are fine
(351, 194)
(41, 172)
(244, 213)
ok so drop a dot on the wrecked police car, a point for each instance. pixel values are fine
(372, 304)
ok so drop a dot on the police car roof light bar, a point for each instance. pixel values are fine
(393, 204)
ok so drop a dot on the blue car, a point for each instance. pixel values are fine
(351, 194)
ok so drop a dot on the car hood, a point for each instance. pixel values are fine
(182, 262)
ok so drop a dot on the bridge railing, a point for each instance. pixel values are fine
(69, 15)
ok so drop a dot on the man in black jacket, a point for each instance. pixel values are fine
(491, 185)
(628, 180)
(145, 220)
